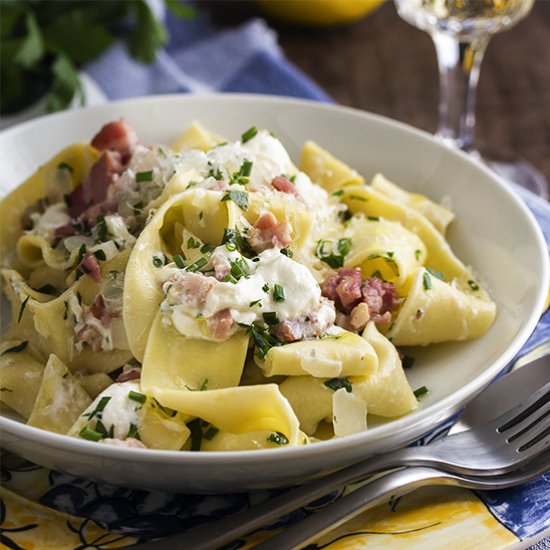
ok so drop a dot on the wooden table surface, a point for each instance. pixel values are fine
(383, 65)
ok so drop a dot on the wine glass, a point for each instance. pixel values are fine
(461, 30)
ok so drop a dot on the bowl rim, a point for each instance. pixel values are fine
(440, 410)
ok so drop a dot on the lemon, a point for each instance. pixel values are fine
(318, 12)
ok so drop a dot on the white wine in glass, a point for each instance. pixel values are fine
(461, 30)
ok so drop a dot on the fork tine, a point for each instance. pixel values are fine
(520, 414)
(530, 427)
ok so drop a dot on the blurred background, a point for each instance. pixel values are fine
(358, 52)
(379, 63)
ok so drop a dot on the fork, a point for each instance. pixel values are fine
(382, 489)
(486, 456)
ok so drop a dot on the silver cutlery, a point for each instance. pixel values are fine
(498, 453)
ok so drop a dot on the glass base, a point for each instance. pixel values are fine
(522, 173)
(519, 171)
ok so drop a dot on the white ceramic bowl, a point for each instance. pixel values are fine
(493, 232)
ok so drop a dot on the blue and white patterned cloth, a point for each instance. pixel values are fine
(199, 59)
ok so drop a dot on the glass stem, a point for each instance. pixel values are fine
(459, 62)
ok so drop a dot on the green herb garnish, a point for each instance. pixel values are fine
(144, 176)
(334, 258)
(277, 438)
(419, 393)
(278, 293)
(179, 261)
(249, 134)
(137, 396)
(240, 198)
(338, 383)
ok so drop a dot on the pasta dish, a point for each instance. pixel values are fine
(213, 296)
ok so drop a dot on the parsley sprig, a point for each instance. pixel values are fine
(43, 45)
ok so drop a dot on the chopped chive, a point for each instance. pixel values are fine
(338, 193)
(407, 362)
(133, 432)
(278, 438)
(193, 243)
(89, 434)
(419, 393)
(436, 274)
(207, 248)
(249, 134)
(240, 198)
(100, 255)
(278, 293)
(265, 288)
(417, 254)
(473, 285)
(426, 281)
(373, 218)
(254, 303)
(204, 385)
(144, 176)
(287, 252)
(210, 432)
(195, 266)
(270, 318)
(179, 261)
(338, 383)
(137, 396)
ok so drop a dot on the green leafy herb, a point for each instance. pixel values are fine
(91, 435)
(419, 393)
(338, 193)
(210, 432)
(234, 240)
(255, 303)
(44, 44)
(473, 285)
(436, 274)
(334, 258)
(239, 269)
(144, 176)
(179, 261)
(137, 396)
(278, 293)
(240, 198)
(338, 383)
(193, 243)
(100, 255)
(17, 348)
(195, 266)
(249, 134)
(407, 362)
(101, 229)
(287, 252)
(277, 438)
(133, 432)
(242, 176)
(426, 281)
(263, 341)
(98, 411)
(270, 318)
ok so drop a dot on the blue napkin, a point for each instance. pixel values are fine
(200, 58)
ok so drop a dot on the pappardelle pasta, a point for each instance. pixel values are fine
(213, 296)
